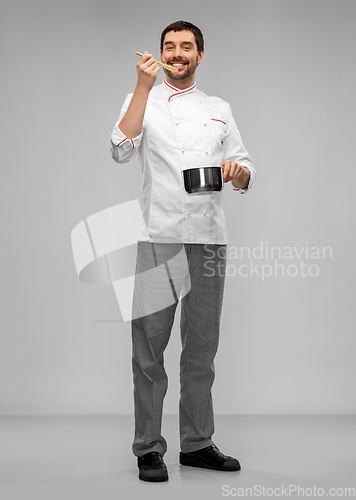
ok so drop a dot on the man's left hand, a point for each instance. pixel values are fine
(237, 174)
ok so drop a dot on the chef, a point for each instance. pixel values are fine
(174, 126)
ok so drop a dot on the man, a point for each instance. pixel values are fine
(174, 126)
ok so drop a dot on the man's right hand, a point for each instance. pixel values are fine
(132, 121)
(147, 71)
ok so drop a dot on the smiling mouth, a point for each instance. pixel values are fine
(178, 65)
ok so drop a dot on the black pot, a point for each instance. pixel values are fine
(203, 180)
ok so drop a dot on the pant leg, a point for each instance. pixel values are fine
(150, 336)
(200, 326)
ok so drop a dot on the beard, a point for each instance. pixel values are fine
(185, 74)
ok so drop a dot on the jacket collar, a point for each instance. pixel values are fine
(172, 91)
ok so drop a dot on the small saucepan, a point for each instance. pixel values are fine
(203, 180)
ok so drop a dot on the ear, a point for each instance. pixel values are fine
(160, 55)
(201, 57)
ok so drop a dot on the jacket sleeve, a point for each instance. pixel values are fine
(234, 150)
(124, 149)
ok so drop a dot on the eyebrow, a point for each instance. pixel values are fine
(183, 43)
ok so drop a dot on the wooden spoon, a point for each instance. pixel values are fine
(161, 64)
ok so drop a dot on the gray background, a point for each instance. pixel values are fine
(287, 69)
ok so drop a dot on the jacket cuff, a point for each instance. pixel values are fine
(119, 139)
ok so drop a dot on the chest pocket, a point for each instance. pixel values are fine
(218, 128)
(218, 131)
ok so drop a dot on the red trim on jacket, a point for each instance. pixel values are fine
(123, 140)
(170, 86)
(180, 91)
(216, 120)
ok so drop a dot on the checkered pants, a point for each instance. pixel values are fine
(204, 266)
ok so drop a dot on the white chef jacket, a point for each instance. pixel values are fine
(181, 129)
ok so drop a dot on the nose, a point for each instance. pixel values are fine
(177, 52)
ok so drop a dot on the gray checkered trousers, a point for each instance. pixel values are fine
(164, 273)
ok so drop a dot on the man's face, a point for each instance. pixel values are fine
(180, 50)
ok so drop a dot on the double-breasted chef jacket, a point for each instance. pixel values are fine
(182, 129)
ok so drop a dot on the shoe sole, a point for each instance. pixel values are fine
(154, 478)
(195, 462)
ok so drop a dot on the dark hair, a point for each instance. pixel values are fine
(185, 25)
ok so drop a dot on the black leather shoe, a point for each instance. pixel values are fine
(209, 458)
(152, 467)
